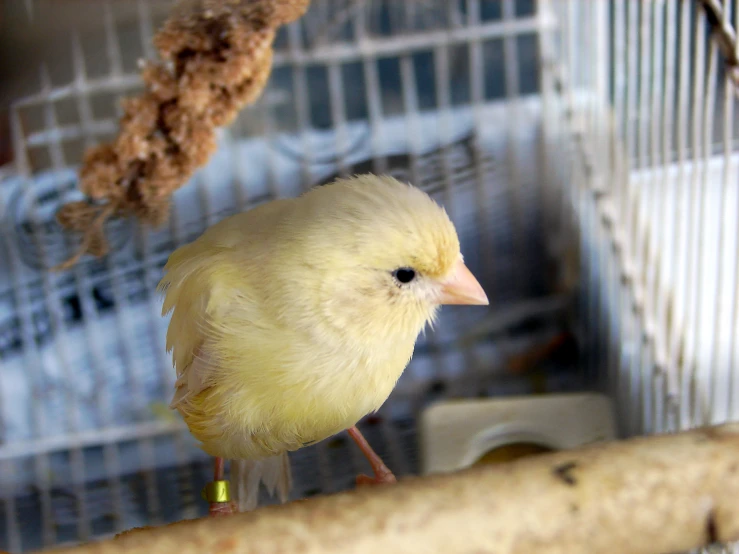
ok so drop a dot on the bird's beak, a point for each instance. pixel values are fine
(461, 287)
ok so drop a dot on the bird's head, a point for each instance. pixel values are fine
(381, 257)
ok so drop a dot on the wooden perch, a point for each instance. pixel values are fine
(649, 495)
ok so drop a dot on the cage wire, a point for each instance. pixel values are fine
(584, 149)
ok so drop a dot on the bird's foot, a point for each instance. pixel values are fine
(222, 509)
(381, 478)
(383, 475)
(218, 493)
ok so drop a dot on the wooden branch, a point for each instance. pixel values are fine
(648, 495)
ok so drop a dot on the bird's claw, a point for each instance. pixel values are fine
(222, 509)
(379, 479)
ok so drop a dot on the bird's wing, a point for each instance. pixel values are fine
(192, 294)
(203, 281)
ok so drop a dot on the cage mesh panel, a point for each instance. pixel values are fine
(580, 141)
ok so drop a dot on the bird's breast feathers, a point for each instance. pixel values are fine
(273, 388)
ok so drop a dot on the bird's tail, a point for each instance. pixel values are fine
(246, 475)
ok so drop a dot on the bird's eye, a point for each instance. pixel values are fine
(404, 275)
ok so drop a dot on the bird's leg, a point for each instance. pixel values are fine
(217, 492)
(382, 472)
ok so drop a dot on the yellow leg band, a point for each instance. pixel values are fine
(217, 491)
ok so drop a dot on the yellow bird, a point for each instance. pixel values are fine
(292, 321)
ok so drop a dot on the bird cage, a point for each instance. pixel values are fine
(584, 149)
